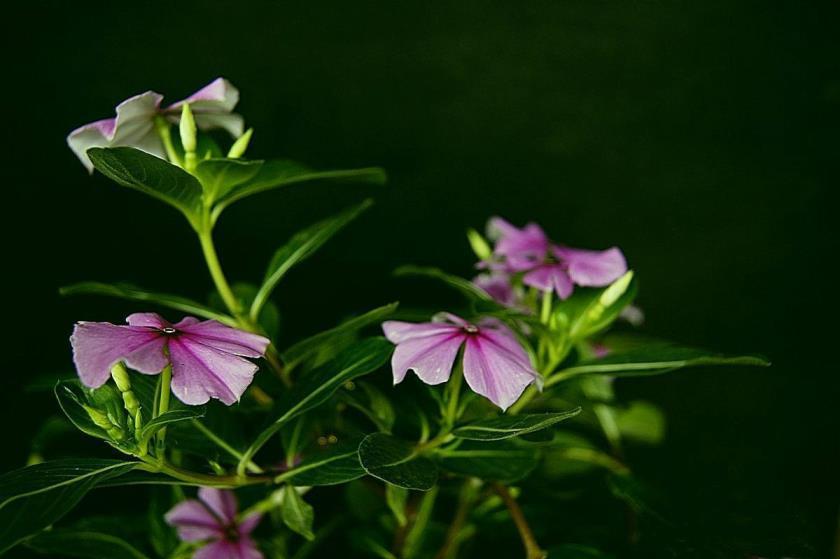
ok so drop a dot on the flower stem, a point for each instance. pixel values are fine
(453, 391)
(163, 407)
(205, 237)
(221, 443)
(163, 130)
(532, 549)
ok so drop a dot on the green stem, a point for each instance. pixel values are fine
(205, 237)
(221, 443)
(594, 457)
(163, 407)
(165, 133)
(532, 549)
(197, 478)
(545, 311)
(453, 391)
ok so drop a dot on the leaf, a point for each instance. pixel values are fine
(501, 461)
(280, 173)
(466, 287)
(301, 246)
(298, 515)
(589, 311)
(336, 464)
(35, 497)
(70, 399)
(164, 419)
(397, 462)
(509, 426)
(316, 387)
(132, 293)
(653, 360)
(641, 421)
(83, 544)
(219, 176)
(306, 347)
(396, 498)
(152, 176)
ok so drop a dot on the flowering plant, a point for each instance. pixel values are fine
(511, 396)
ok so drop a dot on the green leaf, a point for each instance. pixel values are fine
(71, 398)
(35, 497)
(152, 176)
(509, 426)
(641, 421)
(280, 173)
(132, 293)
(466, 287)
(219, 176)
(83, 544)
(316, 387)
(653, 360)
(501, 461)
(298, 515)
(396, 497)
(590, 311)
(301, 246)
(306, 347)
(333, 465)
(164, 419)
(397, 462)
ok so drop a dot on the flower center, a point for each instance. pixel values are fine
(168, 330)
(470, 329)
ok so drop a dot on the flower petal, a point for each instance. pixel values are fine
(493, 370)
(98, 346)
(249, 523)
(200, 372)
(522, 248)
(498, 286)
(548, 277)
(225, 338)
(430, 357)
(194, 522)
(221, 502)
(147, 320)
(397, 331)
(245, 548)
(212, 106)
(593, 268)
(95, 134)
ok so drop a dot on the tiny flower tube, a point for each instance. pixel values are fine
(495, 364)
(208, 359)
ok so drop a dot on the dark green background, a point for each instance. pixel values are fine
(700, 136)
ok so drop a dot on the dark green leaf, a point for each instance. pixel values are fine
(641, 421)
(508, 426)
(466, 287)
(493, 461)
(301, 246)
(280, 173)
(305, 347)
(152, 176)
(131, 293)
(71, 397)
(34, 497)
(586, 312)
(397, 462)
(164, 419)
(220, 176)
(83, 544)
(298, 515)
(330, 466)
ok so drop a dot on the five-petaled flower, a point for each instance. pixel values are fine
(212, 519)
(494, 363)
(207, 357)
(548, 266)
(134, 125)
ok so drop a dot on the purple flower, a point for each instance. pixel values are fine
(212, 518)
(548, 266)
(494, 363)
(206, 357)
(134, 125)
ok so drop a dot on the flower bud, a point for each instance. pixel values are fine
(479, 245)
(238, 148)
(188, 129)
(616, 289)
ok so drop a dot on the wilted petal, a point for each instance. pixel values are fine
(245, 548)
(548, 277)
(496, 370)
(225, 338)
(200, 372)
(430, 357)
(221, 502)
(98, 346)
(593, 268)
(194, 521)
(398, 331)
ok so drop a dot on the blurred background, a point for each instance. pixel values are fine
(700, 137)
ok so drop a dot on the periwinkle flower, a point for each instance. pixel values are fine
(134, 123)
(212, 519)
(207, 357)
(494, 363)
(551, 267)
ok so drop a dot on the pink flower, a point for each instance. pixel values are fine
(494, 363)
(212, 518)
(207, 357)
(551, 267)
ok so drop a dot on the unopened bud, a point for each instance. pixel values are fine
(616, 289)
(479, 244)
(188, 129)
(238, 148)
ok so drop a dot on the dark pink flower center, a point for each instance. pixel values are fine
(168, 330)
(470, 329)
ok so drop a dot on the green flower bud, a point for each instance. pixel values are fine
(130, 401)
(102, 420)
(188, 129)
(479, 245)
(616, 289)
(238, 148)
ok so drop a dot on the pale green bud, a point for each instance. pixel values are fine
(479, 244)
(120, 376)
(616, 289)
(188, 129)
(238, 148)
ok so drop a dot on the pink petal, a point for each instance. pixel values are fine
(249, 523)
(148, 320)
(494, 371)
(397, 331)
(429, 356)
(212, 106)
(194, 522)
(98, 346)
(200, 372)
(548, 277)
(225, 338)
(221, 502)
(593, 268)
(245, 548)
(522, 248)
